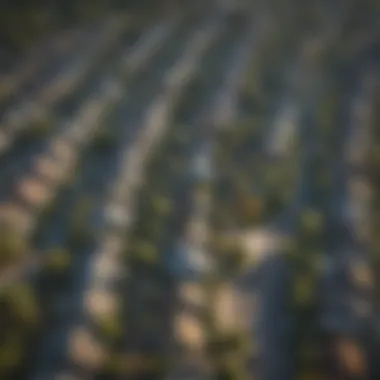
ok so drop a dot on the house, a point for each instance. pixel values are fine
(16, 216)
(48, 169)
(33, 192)
(84, 350)
(100, 303)
(189, 331)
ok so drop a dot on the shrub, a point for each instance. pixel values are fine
(111, 328)
(228, 250)
(304, 289)
(80, 229)
(289, 246)
(151, 228)
(180, 135)
(104, 139)
(250, 209)
(123, 73)
(58, 260)
(229, 342)
(42, 126)
(228, 354)
(311, 223)
(13, 246)
(114, 366)
(231, 370)
(11, 353)
(146, 253)
(24, 305)
(161, 205)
